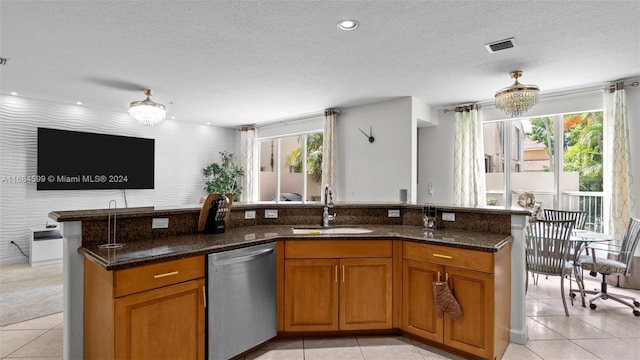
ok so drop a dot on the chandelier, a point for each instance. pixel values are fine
(516, 99)
(147, 112)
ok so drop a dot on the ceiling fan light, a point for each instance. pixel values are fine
(147, 112)
(516, 99)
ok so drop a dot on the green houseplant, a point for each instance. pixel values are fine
(224, 177)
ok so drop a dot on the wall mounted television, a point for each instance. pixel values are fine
(74, 160)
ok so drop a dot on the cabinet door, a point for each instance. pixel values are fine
(164, 323)
(419, 309)
(365, 294)
(311, 295)
(473, 332)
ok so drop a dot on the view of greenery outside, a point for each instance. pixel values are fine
(314, 156)
(582, 145)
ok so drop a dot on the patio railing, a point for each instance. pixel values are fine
(589, 202)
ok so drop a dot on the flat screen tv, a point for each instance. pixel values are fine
(74, 160)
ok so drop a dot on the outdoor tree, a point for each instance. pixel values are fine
(314, 157)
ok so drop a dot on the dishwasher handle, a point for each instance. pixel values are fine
(243, 258)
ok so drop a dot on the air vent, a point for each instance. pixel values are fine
(3, 61)
(500, 45)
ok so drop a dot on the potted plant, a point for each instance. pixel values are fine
(224, 177)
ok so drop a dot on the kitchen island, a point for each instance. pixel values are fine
(481, 230)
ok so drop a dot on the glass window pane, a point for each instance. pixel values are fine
(534, 173)
(582, 177)
(288, 169)
(267, 181)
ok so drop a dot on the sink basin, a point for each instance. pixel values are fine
(331, 231)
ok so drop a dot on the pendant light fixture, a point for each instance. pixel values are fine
(517, 99)
(147, 112)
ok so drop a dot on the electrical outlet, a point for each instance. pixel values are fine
(448, 216)
(393, 213)
(160, 223)
(250, 214)
(271, 214)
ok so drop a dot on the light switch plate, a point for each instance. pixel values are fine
(271, 214)
(394, 213)
(250, 214)
(160, 223)
(448, 216)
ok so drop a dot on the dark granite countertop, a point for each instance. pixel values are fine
(148, 251)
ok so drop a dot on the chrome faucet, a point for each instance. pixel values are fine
(328, 203)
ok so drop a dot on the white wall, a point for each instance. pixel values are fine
(436, 142)
(375, 171)
(435, 170)
(182, 150)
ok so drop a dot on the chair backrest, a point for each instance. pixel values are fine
(629, 244)
(547, 246)
(580, 217)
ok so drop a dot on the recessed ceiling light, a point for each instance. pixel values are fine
(14, 93)
(208, 123)
(173, 118)
(79, 103)
(348, 25)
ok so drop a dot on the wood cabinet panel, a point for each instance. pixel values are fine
(366, 294)
(311, 295)
(449, 256)
(153, 276)
(473, 332)
(419, 309)
(484, 296)
(165, 323)
(335, 249)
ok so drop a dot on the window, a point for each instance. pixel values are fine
(291, 167)
(557, 158)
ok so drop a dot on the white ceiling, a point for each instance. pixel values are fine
(245, 62)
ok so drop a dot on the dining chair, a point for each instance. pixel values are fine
(621, 266)
(580, 220)
(547, 247)
(580, 217)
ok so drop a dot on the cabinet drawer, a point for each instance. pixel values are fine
(332, 249)
(449, 256)
(153, 276)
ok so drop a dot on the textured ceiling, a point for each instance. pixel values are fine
(245, 62)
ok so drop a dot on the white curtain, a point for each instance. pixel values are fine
(468, 172)
(617, 175)
(329, 155)
(247, 152)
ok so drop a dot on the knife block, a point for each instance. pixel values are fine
(207, 208)
(214, 227)
(215, 220)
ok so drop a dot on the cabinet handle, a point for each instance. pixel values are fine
(446, 277)
(204, 297)
(443, 256)
(158, 276)
(336, 270)
(342, 273)
(439, 276)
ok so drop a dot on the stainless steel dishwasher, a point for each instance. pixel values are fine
(241, 300)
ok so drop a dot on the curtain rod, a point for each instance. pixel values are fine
(632, 83)
(289, 119)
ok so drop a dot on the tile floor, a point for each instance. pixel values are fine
(610, 332)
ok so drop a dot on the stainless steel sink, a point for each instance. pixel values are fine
(331, 231)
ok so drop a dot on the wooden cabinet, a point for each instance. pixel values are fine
(150, 312)
(480, 281)
(340, 288)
